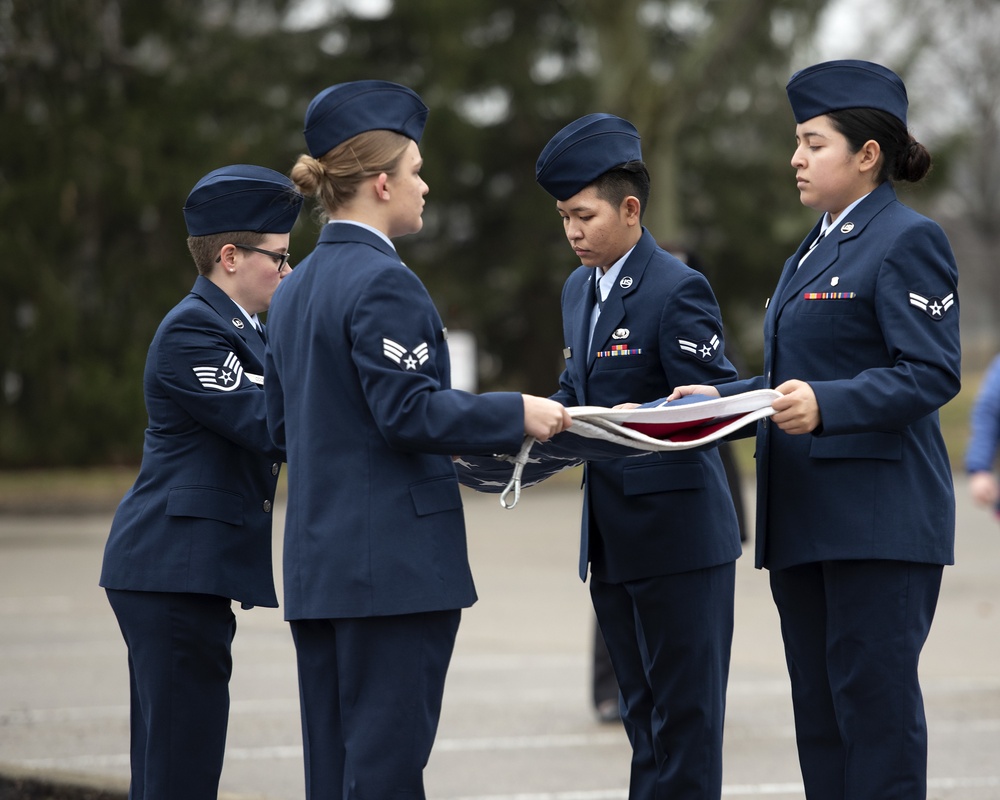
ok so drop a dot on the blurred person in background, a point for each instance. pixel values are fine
(984, 436)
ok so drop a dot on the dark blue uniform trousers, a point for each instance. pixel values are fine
(853, 632)
(670, 639)
(371, 691)
(179, 662)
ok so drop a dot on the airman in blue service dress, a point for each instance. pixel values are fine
(376, 567)
(659, 533)
(856, 518)
(194, 531)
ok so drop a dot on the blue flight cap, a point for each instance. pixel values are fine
(347, 109)
(242, 197)
(836, 85)
(583, 151)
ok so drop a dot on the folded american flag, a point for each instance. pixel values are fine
(598, 434)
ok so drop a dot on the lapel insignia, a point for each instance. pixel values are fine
(933, 307)
(621, 333)
(847, 227)
(625, 282)
(408, 360)
(444, 334)
(567, 352)
(834, 280)
(237, 323)
(703, 351)
(224, 378)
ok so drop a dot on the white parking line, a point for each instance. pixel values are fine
(286, 752)
(744, 790)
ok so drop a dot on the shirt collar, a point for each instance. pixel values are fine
(828, 223)
(606, 280)
(367, 227)
(253, 319)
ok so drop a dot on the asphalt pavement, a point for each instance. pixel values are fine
(517, 722)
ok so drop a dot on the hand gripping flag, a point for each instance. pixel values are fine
(598, 434)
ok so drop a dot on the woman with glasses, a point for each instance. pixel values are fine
(194, 531)
(358, 388)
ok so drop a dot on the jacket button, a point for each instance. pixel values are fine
(267, 506)
(274, 469)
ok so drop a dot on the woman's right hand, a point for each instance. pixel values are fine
(544, 418)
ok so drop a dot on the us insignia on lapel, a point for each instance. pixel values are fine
(407, 359)
(703, 351)
(933, 307)
(222, 379)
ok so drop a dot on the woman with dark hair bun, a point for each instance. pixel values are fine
(855, 501)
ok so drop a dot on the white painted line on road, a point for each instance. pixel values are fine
(285, 752)
(758, 790)
(964, 783)
(276, 753)
(514, 662)
(744, 790)
(600, 794)
(41, 716)
(75, 762)
(961, 726)
(23, 606)
(36, 716)
(530, 742)
(731, 790)
(281, 752)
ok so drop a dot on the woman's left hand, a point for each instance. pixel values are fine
(796, 411)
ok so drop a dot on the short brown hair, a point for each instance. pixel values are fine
(205, 249)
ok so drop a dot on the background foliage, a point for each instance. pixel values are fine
(112, 109)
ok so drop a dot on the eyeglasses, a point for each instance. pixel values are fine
(280, 258)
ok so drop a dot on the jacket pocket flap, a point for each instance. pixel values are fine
(663, 477)
(876, 444)
(205, 503)
(434, 495)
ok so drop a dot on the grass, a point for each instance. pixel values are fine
(98, 490)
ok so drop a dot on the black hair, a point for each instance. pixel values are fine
(903, 157)
(631, 178)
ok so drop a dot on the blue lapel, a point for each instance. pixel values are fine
(629, 279)
(825, 255)
(780, 295)
(223, 305)
(579, 310)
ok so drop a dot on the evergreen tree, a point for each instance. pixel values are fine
(114, 108)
